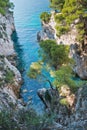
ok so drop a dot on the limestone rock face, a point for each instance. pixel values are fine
(80, 67)
(49, 32)
(66, 119)
(46, 96)
(81, 105)
(7, 98)
(46, 33)
(10, 77)
(6, 29)
(79, 118)
(14, 70)
(70, 38)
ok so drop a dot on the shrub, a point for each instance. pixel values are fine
(45, 17)
(57, 4)
(9, 76)
(29, 118)
(35, 69)
(70, 11)
(56, 54)
(6, 121)
(4, 5)
(64, 102)
(65, 76)
(10, 120)
(59, 18)
(2, 11)
(81, 31)
(62, 30)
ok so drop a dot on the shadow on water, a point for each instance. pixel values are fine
(19, 52)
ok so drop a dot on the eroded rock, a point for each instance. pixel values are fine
(66, 119)
(80, 58)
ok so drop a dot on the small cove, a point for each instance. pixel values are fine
(27, 23)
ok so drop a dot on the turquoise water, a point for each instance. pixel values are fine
(27, 22)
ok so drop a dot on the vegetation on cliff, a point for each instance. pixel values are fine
(10, 120)
(54, 60)
(56, 56)
(4, 5)
(67, 13)
(70, 10)
(45, 17)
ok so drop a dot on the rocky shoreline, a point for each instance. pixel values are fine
(80, 56)
(73, 117)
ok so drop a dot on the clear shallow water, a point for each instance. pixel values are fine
(27, 22)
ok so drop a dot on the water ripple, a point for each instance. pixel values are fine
(27, 22)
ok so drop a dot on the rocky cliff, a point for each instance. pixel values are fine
(65, 118)
(71, 115)
(70, 38)
(49, 32)
(10, 77)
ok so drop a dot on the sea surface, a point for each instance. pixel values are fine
(27, 23)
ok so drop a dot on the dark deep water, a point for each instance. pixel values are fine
(27, 22)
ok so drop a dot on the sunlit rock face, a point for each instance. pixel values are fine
(49, 32)
(6, 29)
(10, 77)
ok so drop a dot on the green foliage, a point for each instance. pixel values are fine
(29, 118)
(45, 17)
(24, 119)
(14, 120)
(62, 30)
(83, 3)
(59, 17)
(70, 11)
(35, 69)
(46, 47)
(58, 54)
(6, 121)
(57, 4)
(65, 76)
(2, 11)
(9, 76)
(41, 71)
(62, 75)
(4, 5)
(69, 7)
(81, 31)
(64, 102)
